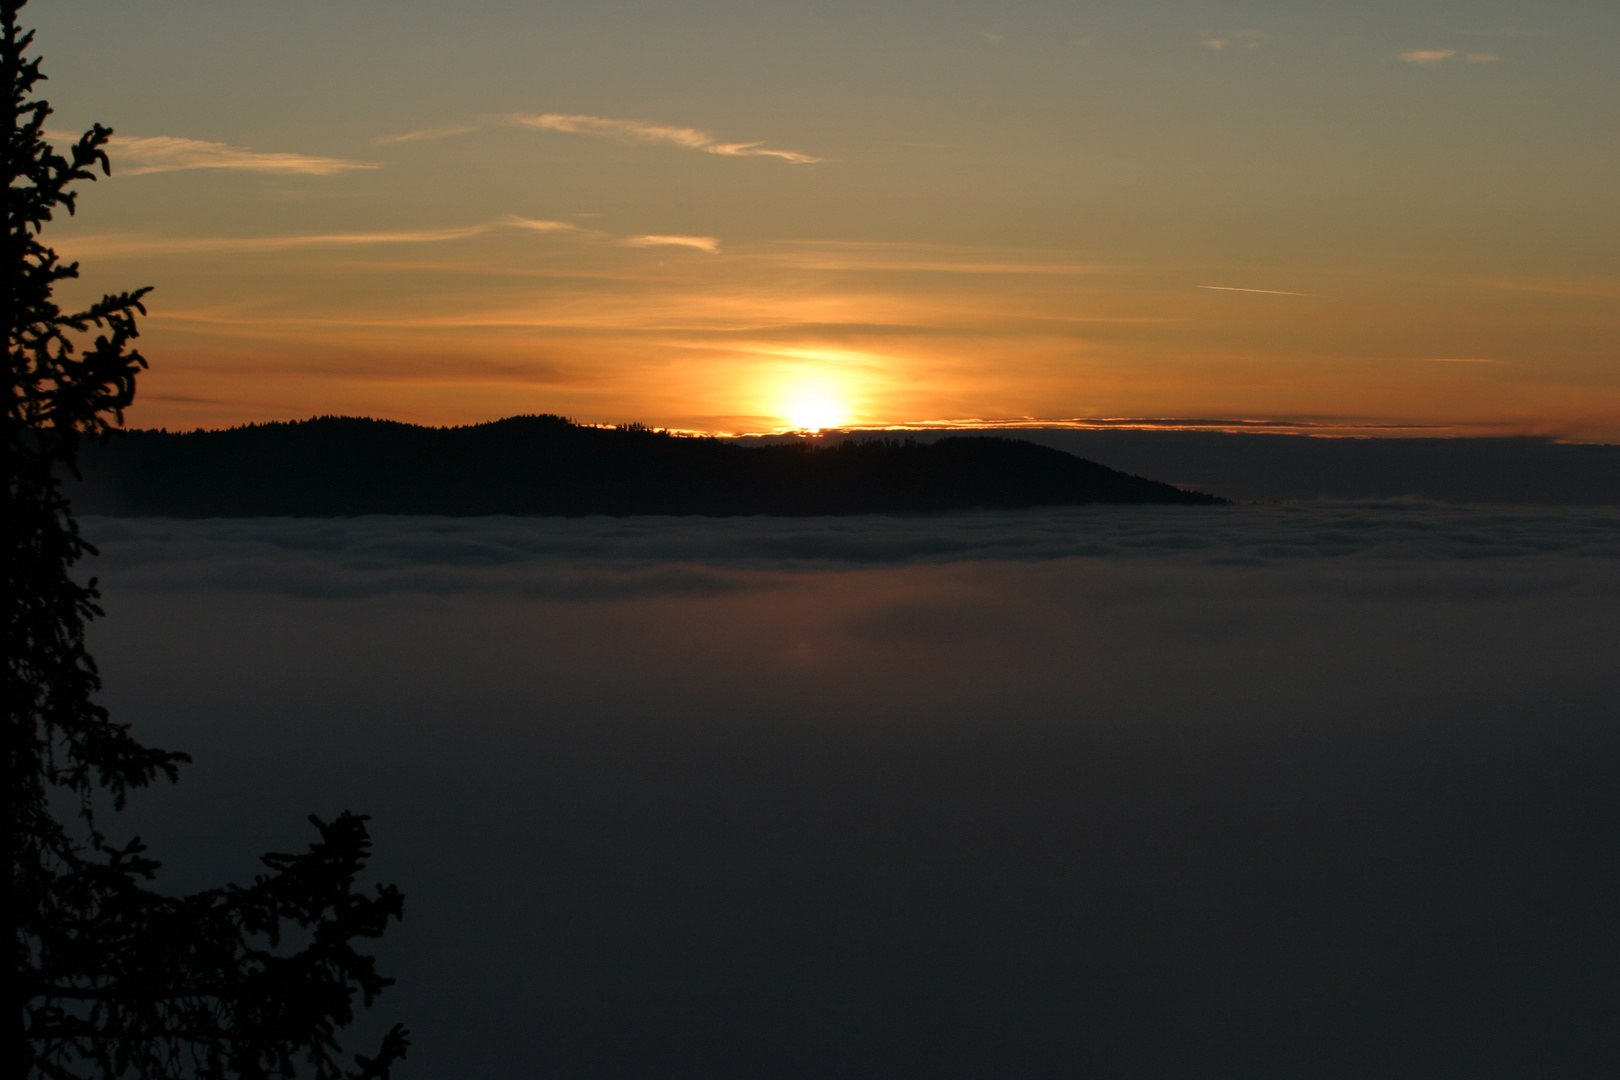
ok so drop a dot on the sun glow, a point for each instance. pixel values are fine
(813, 392)
(815, 413)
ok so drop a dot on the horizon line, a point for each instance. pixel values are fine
(1321, 428)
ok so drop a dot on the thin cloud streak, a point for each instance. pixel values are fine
(170, 153)
(539, 225)
(761, 336)
(634, 132)
(124, 246)
(424, 134)
(1428, 56)
(709, 244)
(943, 267)
(1268, 292)
(117, 246)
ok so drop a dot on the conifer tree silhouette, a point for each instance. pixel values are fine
(114, 979)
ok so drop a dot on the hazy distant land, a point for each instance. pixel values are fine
(1274, 467)
(343, 466)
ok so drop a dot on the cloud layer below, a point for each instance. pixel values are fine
(1110, 792)
(568, 557)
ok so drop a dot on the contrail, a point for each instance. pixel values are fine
(1234, 288)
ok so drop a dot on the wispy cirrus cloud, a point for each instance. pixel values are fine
(701, 243)
(136, 155)
(1428, 56)
(539, 225)
(426, 133)
(1440, 56)
(1239, 288)
(114, 245)
(641, 131)
(125, 245)
(938, 266)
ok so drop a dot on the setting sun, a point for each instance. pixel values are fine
(814, 392)
(974, 538)
(816, 413)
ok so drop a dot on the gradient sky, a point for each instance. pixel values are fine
(1374, 217)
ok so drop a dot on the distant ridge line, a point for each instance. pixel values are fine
(547, 465)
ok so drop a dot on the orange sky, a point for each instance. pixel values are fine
(1283, 213)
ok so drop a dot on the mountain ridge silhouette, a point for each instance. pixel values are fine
(546, 465)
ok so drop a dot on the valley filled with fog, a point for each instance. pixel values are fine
(1319, 790)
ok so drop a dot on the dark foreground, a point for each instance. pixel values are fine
(1117, 793)
(344, 467)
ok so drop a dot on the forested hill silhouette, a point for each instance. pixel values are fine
(343, 466)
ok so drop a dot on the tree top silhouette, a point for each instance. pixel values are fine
(114, 979)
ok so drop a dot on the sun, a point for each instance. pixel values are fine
(813, 390)
(816, 413)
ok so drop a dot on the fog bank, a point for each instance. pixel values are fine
(1326, 791)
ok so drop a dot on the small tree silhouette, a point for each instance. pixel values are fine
(112, 978)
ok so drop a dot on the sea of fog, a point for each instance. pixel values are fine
(1317, 791)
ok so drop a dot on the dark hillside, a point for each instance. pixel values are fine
(341, 466)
